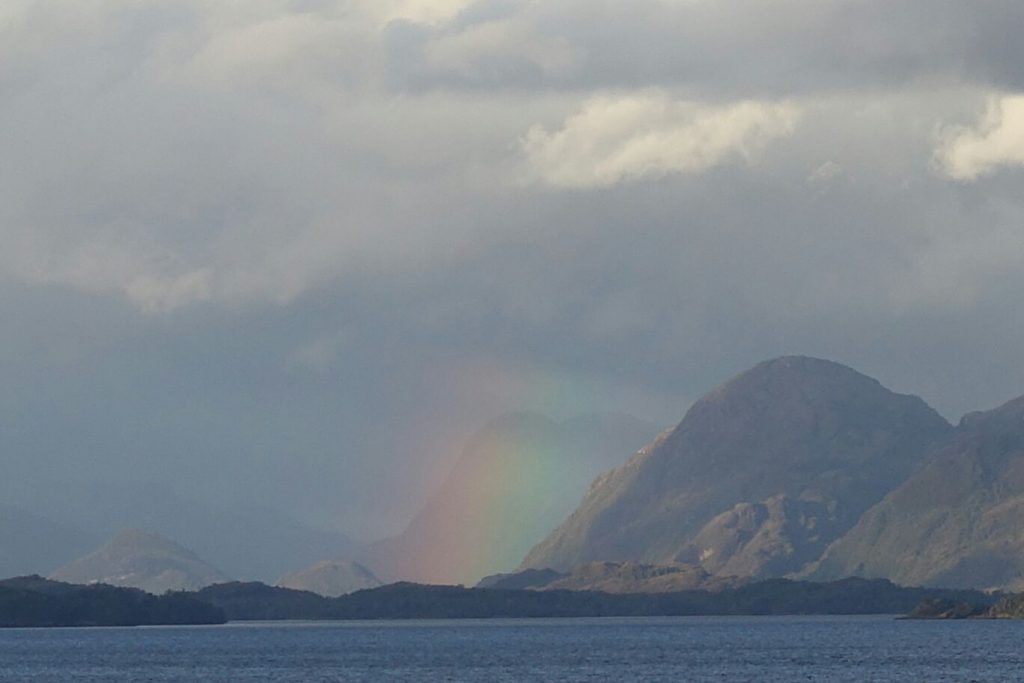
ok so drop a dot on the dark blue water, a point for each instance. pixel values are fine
(673, 649)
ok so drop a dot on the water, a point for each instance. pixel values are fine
(670, 649)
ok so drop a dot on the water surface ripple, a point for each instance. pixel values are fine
(669, 649)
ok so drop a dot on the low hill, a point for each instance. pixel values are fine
(139, 559)
(330, 578)
(256, 542)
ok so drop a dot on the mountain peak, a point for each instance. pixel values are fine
(806, 429)
(794, 377)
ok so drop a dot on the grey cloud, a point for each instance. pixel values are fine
(756, 48)
(303, 273)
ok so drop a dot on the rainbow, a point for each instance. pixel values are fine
(513, 483)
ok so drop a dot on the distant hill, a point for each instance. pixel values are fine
(957, 522)
(514, 482)
(33, 544)
(251, 542)
(762, 474)
(330, 578)
(144, 560)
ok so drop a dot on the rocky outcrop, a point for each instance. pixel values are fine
(615, 577)
(523, 580)
(635, 577)
(944, 608)
(760, 476)
(765, 539)
(139, 559)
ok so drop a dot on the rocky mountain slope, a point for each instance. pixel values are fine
(762, 474)
(139, 559)
(330, 578)
(514, 482)
(957, 522)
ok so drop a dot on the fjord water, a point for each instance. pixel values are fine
(691, 648)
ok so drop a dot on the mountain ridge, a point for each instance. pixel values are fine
(792, 433)
(957, 521)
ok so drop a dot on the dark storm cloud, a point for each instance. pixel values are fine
(723, 49)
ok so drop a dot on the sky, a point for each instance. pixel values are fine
(295, 252)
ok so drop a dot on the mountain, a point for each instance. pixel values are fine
(513, 483)
(330, 579)
(32, 544)
(140, 559)
(761, 475)
(957, 522)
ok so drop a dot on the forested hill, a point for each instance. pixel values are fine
(32, 601)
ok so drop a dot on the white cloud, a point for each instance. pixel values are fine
(997, 140)
(649, 135)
